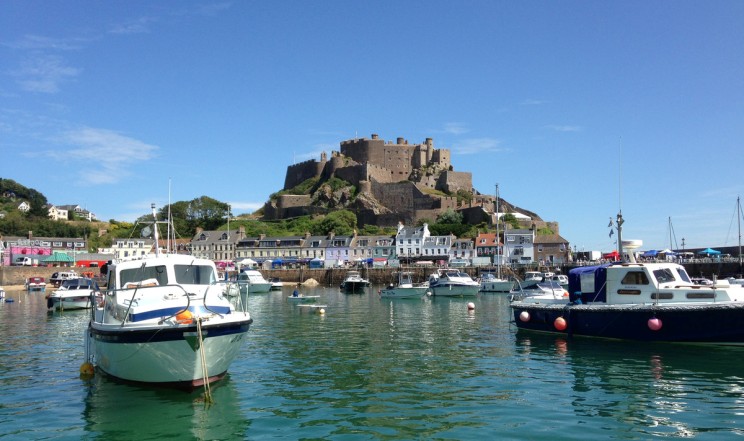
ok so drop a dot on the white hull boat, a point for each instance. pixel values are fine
(165, 320)
(405, 289)
(451, 282)
(252, 281)
(79, 293)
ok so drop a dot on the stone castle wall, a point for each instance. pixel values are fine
(300, 172)
(452, 181)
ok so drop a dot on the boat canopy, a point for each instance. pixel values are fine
(588, 282)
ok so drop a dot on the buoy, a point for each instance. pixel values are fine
(471, 306)
(87, 369)
(560, 324)
(654, 324)
(321, 311)
(185, 317)
(524, 316)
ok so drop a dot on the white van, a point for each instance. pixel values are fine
(25, 261)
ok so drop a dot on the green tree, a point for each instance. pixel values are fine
(341, 222)
(449, 216)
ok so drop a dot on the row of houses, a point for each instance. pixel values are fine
(410, 244)
(60, 212)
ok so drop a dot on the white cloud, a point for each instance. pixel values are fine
(38, 42)
(478, 145)
(563, 128)
(455, 128)
(138, 26)
(44, 73)
(111, 153)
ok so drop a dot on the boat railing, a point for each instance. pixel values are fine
(144, 286)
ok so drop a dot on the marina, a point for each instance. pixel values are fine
(372, 368)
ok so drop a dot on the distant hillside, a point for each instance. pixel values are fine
(12, 194)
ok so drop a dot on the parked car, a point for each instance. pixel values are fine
(60, 276)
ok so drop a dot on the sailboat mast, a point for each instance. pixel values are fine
(497, 256)
(738, 223)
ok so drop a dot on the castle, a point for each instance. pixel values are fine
(394, 182)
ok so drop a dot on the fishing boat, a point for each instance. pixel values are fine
(251, 281)
(80, 293)
(165, 320)
(2, 293)
(35, 284)
(405, 289)
(452, 282)
(638, 301)
(354, 282)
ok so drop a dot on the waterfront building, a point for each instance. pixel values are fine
(520, 246)
(217, 245)
(437, 248)
(488, 245)
(337, 249)
(462, 249)
(127, 248)
(313, 247)
(551, 249)
(409, 242)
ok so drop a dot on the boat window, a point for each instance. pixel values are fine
(683, 275)
(664, 275)
(194, 274)
(701, 295)
(635, 278)
(139, 274)
(662, 295)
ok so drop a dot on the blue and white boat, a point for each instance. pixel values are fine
(638, 301)
(165, 320)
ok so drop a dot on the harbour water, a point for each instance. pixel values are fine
(372, 368)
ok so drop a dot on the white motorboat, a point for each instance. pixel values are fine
(2, 293)
(405, 289)
(165, 320)
(452, 282)
(251, 281)
(276, 283)
(354, 282)
(549, 289)
(80, 293)
(491, 283)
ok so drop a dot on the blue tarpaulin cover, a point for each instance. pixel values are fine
(597, 292)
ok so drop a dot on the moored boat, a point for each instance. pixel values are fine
(165, 320)
(251, 281)
(80, 293)
(452, 282)
(638, 301)
(276, 283)
(405, 289)
(354, 282)
(35, 284)
(491, 283)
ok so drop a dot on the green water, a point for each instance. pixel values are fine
(372, 368)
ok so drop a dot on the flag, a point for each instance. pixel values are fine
(612, 232)
(610, 225)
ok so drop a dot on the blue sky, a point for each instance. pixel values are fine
(575, 108)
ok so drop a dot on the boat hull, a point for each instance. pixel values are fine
(497, 286)
(452, 290)
(719, 323)
(411, 292)
(255, 288)
(70, 302)
(165, 354)
(353, 286)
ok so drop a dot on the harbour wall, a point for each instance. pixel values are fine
(17, 275)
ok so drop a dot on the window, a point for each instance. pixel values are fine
(664, 275)
(635, 278)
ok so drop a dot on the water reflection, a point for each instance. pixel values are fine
(660, 389)
(115, 411)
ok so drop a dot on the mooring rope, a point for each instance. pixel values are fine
(205, 373)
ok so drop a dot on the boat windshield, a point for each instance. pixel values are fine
(664, 275)
(139, 274)
(195, 274)
(683, 275)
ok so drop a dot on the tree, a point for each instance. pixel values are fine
(341, 222)
(450, 216)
